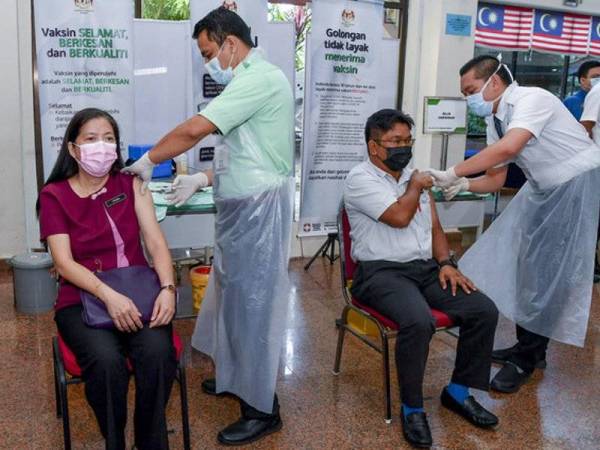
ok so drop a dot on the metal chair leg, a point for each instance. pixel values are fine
(56, 386)
(386, 378)
(341, 333)
(185, 423)
(65, 412)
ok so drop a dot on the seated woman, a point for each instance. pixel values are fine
(91, 216)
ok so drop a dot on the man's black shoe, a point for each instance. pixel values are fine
(501, 357)
(470, 410)
(509, 379)
(416, 429)
(209, 386)
(245, 431)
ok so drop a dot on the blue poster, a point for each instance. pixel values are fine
(458, 25)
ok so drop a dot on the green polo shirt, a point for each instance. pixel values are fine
(255, 114)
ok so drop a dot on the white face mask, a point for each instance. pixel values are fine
(213, 67)
(594, 81)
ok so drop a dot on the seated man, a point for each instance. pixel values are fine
(404, 269)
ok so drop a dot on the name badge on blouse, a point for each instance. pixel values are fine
(113, 201)
(221, 160)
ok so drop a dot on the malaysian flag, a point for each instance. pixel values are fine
(560, 32)
(503, 26)
(595, 37)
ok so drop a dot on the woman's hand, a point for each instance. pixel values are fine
(449, 274)
(164, 308)
(122, 311)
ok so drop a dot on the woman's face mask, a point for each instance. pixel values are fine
(220, 75)
(96, 158)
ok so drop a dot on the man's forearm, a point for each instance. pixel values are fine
(440, 249)
(172, 144)
(485, 184)
(502, 151)
(181, 139)
(489, 157)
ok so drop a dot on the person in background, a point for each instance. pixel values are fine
(590, 119)
(91, 217)
(244, 312)
(404, 269)
(587, 72)
(536, 260)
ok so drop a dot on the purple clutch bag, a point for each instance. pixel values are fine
(139, 283)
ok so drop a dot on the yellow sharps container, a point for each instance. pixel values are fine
(199, 278)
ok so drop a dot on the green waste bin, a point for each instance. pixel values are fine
(34, 287)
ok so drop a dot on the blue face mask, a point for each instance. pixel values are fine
(477, 104)
(213, 67)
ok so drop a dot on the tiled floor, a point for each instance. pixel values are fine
(558, 409)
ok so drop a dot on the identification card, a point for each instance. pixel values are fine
(113, 201)
(221, 159)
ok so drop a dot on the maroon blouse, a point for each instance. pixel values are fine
(103, 228)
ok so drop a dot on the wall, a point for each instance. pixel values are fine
(432, 63)
(18, 189)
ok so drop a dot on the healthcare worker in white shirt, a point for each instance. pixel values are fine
(243, 315)
(590, 119)
(536, 261)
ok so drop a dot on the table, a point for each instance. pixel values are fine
(189, 231)
(465, 210)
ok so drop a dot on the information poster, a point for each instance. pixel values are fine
(84, 59)
(342, 92)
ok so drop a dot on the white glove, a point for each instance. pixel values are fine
(443, 178)
(462, 184)
(184, 186)
(143, 168)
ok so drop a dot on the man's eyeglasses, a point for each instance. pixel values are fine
(396, 142)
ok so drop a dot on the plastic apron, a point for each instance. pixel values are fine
(244, 311)
(536, 260)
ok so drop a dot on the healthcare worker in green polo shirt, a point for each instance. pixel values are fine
(243, 315)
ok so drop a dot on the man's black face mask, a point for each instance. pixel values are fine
(398, 157)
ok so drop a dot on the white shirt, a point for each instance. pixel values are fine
(591, 111)
(368, 192)
(560, 148)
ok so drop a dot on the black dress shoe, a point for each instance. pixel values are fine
(509, 379)
(209, 386)
(501, 357)
(416, 429)
(470, 410)
(245, 431)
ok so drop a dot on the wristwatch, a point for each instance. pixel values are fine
(170, 288)
(448, 262)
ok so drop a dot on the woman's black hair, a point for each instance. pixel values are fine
(66, 166)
